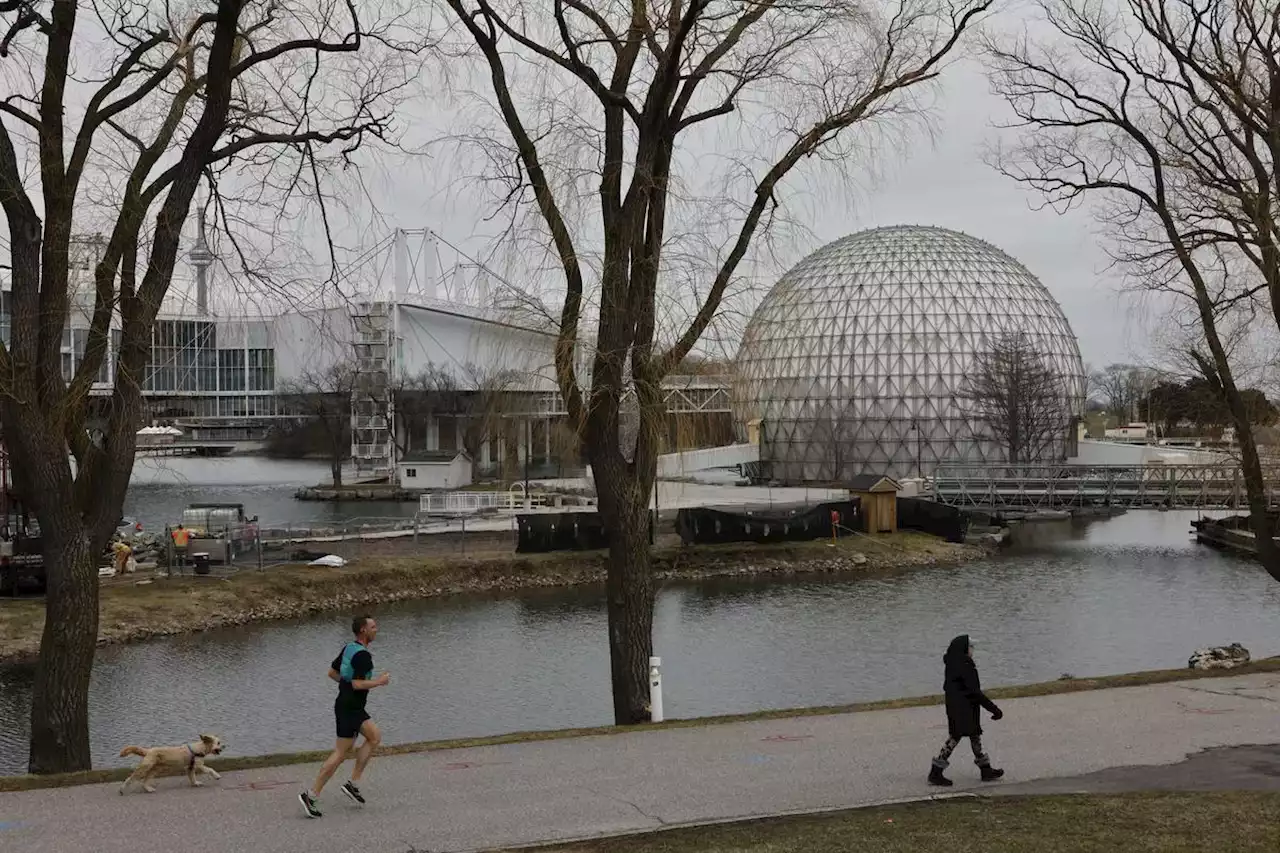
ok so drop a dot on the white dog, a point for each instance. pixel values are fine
(191, 756)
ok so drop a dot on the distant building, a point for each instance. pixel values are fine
(1136, 431)
(217, 368)
(859, 359)
(435, 469)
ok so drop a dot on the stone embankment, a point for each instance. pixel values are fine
(139, 608)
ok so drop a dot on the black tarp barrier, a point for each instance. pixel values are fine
(703, 525)
(563, 531)
(932, 517)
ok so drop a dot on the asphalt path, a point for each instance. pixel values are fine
(1175, 735)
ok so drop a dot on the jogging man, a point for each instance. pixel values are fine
(353, 670)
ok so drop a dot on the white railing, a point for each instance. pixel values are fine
(470, 503)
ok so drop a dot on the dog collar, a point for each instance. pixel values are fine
(191, 762)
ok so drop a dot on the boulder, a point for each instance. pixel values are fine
(1219, 657)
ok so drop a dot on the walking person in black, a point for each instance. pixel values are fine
(353, 670)
(964, 697)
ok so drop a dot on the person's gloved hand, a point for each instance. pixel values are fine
(997, 714)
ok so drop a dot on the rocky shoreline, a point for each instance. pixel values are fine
(131, 612)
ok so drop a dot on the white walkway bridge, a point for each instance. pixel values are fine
(1126, 486)
(670, 466)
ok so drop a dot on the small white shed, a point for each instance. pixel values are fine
(434, 469)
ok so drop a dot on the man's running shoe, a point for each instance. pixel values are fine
(309, 804)
(353, 792)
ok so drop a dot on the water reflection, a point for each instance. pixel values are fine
(161, 488)
(1112, 596)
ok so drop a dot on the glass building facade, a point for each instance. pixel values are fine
(202, 368)
(857, 360)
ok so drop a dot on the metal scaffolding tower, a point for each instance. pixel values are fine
(372, 399)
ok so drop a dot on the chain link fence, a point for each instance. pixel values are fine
(262, 546)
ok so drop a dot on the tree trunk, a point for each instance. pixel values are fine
(624, 509)
(335, 456)
(1256, 490)
(60, 699)
(1218, 373)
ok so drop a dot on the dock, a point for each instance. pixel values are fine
(1229, 534)
(188, 448)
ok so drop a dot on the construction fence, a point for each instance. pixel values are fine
(261, 547)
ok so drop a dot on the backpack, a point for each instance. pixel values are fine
(345, 670)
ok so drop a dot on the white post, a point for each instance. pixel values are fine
(655, 689)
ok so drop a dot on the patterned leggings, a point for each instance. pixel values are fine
(980, 758)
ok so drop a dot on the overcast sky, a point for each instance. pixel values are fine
(948, 184)
(943, 181)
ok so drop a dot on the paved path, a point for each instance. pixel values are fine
(473, 799)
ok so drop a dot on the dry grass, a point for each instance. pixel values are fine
(132, 611)
(1237, 822)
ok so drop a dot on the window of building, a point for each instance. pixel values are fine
(231, 370)
(233, 407)
(411, 472)
(260, 406)
(206, 368)
(79, 344)
(183, 357)
(262, 370)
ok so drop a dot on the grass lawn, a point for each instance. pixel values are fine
(1131, 823)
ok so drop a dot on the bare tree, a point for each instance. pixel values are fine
(493, 397)
(566, 446)
(113, 113)
(1121, 386)
(322, 398)
(658, 77)
(419, 399)
(1162, 113)
(1018, 400)
(479, 400)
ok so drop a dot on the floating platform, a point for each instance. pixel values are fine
(188, 448)
(1230, 534)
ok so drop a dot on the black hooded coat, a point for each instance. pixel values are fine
(963, 691)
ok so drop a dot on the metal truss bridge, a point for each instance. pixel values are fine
(1035, 487)
(682, 394)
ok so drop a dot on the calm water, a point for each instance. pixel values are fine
(1120, 595)
(161, 488)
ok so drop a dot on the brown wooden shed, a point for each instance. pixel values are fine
(878, 501)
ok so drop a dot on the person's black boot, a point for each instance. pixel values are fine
(936, 778)
(990, 774)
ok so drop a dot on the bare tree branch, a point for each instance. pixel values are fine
(1019, 401)
(118, 90)
(1162, 116)
(653, 77)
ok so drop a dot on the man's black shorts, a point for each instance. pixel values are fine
(349, 722)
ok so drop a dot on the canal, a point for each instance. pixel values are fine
(161, 488)
(1113, 596)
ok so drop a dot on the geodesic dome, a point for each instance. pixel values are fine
(857, 360)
